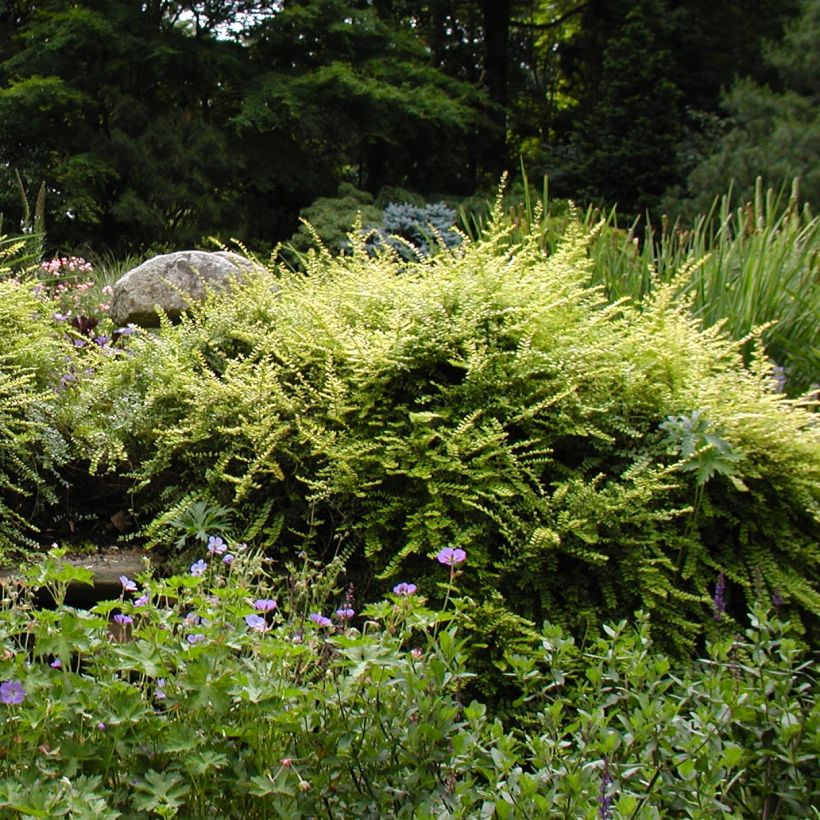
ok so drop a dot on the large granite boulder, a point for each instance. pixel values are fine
(172, 282)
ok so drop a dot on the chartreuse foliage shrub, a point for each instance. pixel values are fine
(225, 692)
(31, 446)
(758, 265)
(594, 458)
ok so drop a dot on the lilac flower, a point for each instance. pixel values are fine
(257, 622)
(194, 637)
(66, 379)
(450, 557)
(101, 726)
(216, 546)
(404, 589)
(56, 663)
(12, 692)
(227, 559)
(159, 690)
(319, 619)
(198, 567)
(719, 602)
(142, 600)
(123, 620)
(61, 317)
(265, 604)
(127, 584)
(345, 614)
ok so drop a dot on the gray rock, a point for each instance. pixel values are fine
(172, 282)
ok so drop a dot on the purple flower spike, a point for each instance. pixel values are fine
(404, 589)
(216, 546)
(265, 604)
(198, 567)
(720, 596)
(127, 584)
(319, 619)
(450, 557)
(345, 614)
(257, 622)
(12, 692)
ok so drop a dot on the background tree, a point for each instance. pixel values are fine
(772, 130)
(122, 114)
(155, 124)
(340, 94)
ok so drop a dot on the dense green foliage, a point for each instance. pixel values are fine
(772, 130)
(155, 125)
(485, 398)
(749, 267)
(207, 696)
(30, 445)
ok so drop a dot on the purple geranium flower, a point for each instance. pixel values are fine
(142, 600)
(404, 589)
(345, 614)
(56, 663)
(123, 620)
(216, 546)
(227, 559)
(257, 622)
(450, 557)
(12, 692)
(127, 584)
(265, 604)
(195, 637)
(198, 567)
(319, 619)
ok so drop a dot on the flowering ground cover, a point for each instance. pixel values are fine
(202, 695)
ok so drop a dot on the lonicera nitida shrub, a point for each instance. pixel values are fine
(226, 692)
(595, 459)
(33, 355)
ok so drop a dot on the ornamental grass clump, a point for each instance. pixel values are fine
(592, 458)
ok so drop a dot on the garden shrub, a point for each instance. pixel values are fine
(33, 356)
(227, 691)
(484, 399)
(415, 230)
(331, 219)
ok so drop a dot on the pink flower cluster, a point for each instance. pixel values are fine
(61, 265)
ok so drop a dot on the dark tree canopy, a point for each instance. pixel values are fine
(156, 124)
